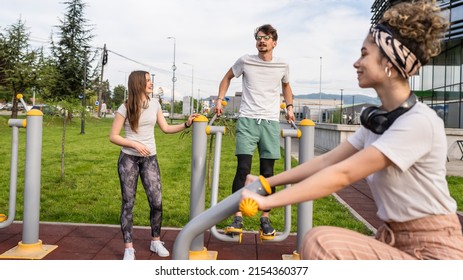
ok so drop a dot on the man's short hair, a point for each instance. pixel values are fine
(267, 29)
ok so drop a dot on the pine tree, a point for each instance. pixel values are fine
(71, 53)
(18, 63)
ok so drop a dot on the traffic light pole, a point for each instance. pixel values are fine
(104, 60)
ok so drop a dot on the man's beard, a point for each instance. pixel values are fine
(263, 50)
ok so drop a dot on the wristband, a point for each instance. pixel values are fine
(186, 126)
(289, 105)
(219, 98)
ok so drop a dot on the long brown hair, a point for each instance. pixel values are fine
(134, 102)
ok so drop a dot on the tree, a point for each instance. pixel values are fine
(46, 77)
(118, 96)
(18, 63)
(72, 62)
(72, 52)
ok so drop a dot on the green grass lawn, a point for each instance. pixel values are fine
(90, 192)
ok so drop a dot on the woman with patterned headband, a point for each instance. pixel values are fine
(400, 149)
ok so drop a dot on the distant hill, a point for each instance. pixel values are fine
(348, 99)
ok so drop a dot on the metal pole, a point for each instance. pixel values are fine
(82, 121)
(152, 81)
(15, 125)
(174, 79)
(306, 153)
(218, 131)
(197, 103)
(340, 118)
(198, 175)
(320, 93)
(353, 102)
(100, 94)
(125, 84)
(32, 178)
(192, 79)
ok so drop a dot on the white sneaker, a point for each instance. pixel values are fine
(129, 254)
(158, 247)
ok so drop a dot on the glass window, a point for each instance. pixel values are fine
(438, 76)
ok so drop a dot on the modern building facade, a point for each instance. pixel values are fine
(439, 83)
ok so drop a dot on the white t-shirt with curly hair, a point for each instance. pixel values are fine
(415, 185)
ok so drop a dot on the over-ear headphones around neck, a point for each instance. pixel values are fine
(378, 120)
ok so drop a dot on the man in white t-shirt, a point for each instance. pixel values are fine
(264, 77)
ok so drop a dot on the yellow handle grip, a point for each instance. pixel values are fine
(249, 207)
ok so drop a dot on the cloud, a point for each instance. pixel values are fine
(211, 35)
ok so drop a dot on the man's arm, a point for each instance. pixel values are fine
(223, 87)
(288, 96)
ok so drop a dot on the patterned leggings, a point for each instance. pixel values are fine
(129, 168)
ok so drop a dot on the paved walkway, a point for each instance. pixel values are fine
(104, 242)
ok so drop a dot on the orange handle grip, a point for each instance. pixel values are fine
(249, 207)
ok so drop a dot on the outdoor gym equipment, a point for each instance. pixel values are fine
(224, 103)
(31, 246)
(210, 217)
(190, 241)
(236, 234)
(248, 207)
(306, 135)
(283, 106)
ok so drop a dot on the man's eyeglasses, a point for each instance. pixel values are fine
(266, 38)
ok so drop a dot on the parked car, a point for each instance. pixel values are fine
(47, 109)
(165, 113)
(8, 106)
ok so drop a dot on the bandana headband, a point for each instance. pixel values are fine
(402, 58)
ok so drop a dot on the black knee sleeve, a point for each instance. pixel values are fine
(266, 170)
(266, 167)
(242, 170)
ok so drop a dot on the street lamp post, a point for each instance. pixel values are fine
(125, 85)
(197, 103)
(82, 120)
(353, 109)
(340, 119)
(174, 79)
(320, 93)
(152, 89)
(192, 79)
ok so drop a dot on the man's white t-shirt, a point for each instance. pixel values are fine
(415, 185)
(262, 85)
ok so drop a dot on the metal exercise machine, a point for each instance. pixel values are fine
(190, 241)
(31, 246)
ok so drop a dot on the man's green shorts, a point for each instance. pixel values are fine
(260, 133)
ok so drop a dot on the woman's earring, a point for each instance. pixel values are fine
(388, 71)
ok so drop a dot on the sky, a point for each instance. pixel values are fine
(320, 39)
